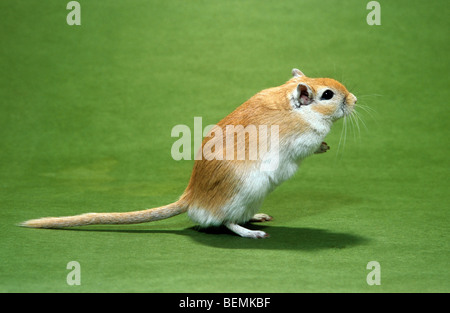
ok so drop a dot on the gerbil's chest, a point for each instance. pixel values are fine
(274, 167)
(280, 163)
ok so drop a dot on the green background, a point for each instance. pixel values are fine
(86, 115)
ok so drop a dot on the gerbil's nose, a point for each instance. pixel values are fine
(352, 98)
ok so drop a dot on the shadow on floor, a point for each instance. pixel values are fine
(281, 237)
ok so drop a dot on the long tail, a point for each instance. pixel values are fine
(109, 218)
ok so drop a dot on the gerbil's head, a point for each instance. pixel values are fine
(325, 96)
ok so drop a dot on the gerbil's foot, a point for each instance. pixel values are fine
(244, 232)
(261, 217)
(323, 148)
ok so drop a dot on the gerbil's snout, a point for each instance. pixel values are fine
(348, 104)
(351, 99)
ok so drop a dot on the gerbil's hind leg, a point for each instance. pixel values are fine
(261, 217)
(244, 232)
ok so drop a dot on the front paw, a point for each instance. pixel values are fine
(261, 217)
(323, 148)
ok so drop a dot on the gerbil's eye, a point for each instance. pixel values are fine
(327, 95)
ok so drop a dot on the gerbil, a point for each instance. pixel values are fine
(230, 191)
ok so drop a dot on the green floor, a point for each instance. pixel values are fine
(86, 115)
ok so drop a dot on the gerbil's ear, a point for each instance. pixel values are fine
(297, 73)
(305, 94)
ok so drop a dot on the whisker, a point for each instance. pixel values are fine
(356, 117)
(370, 95)
(342, 133)
(367, 109)
(352, 123)
(345, 134)
(362, 120)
